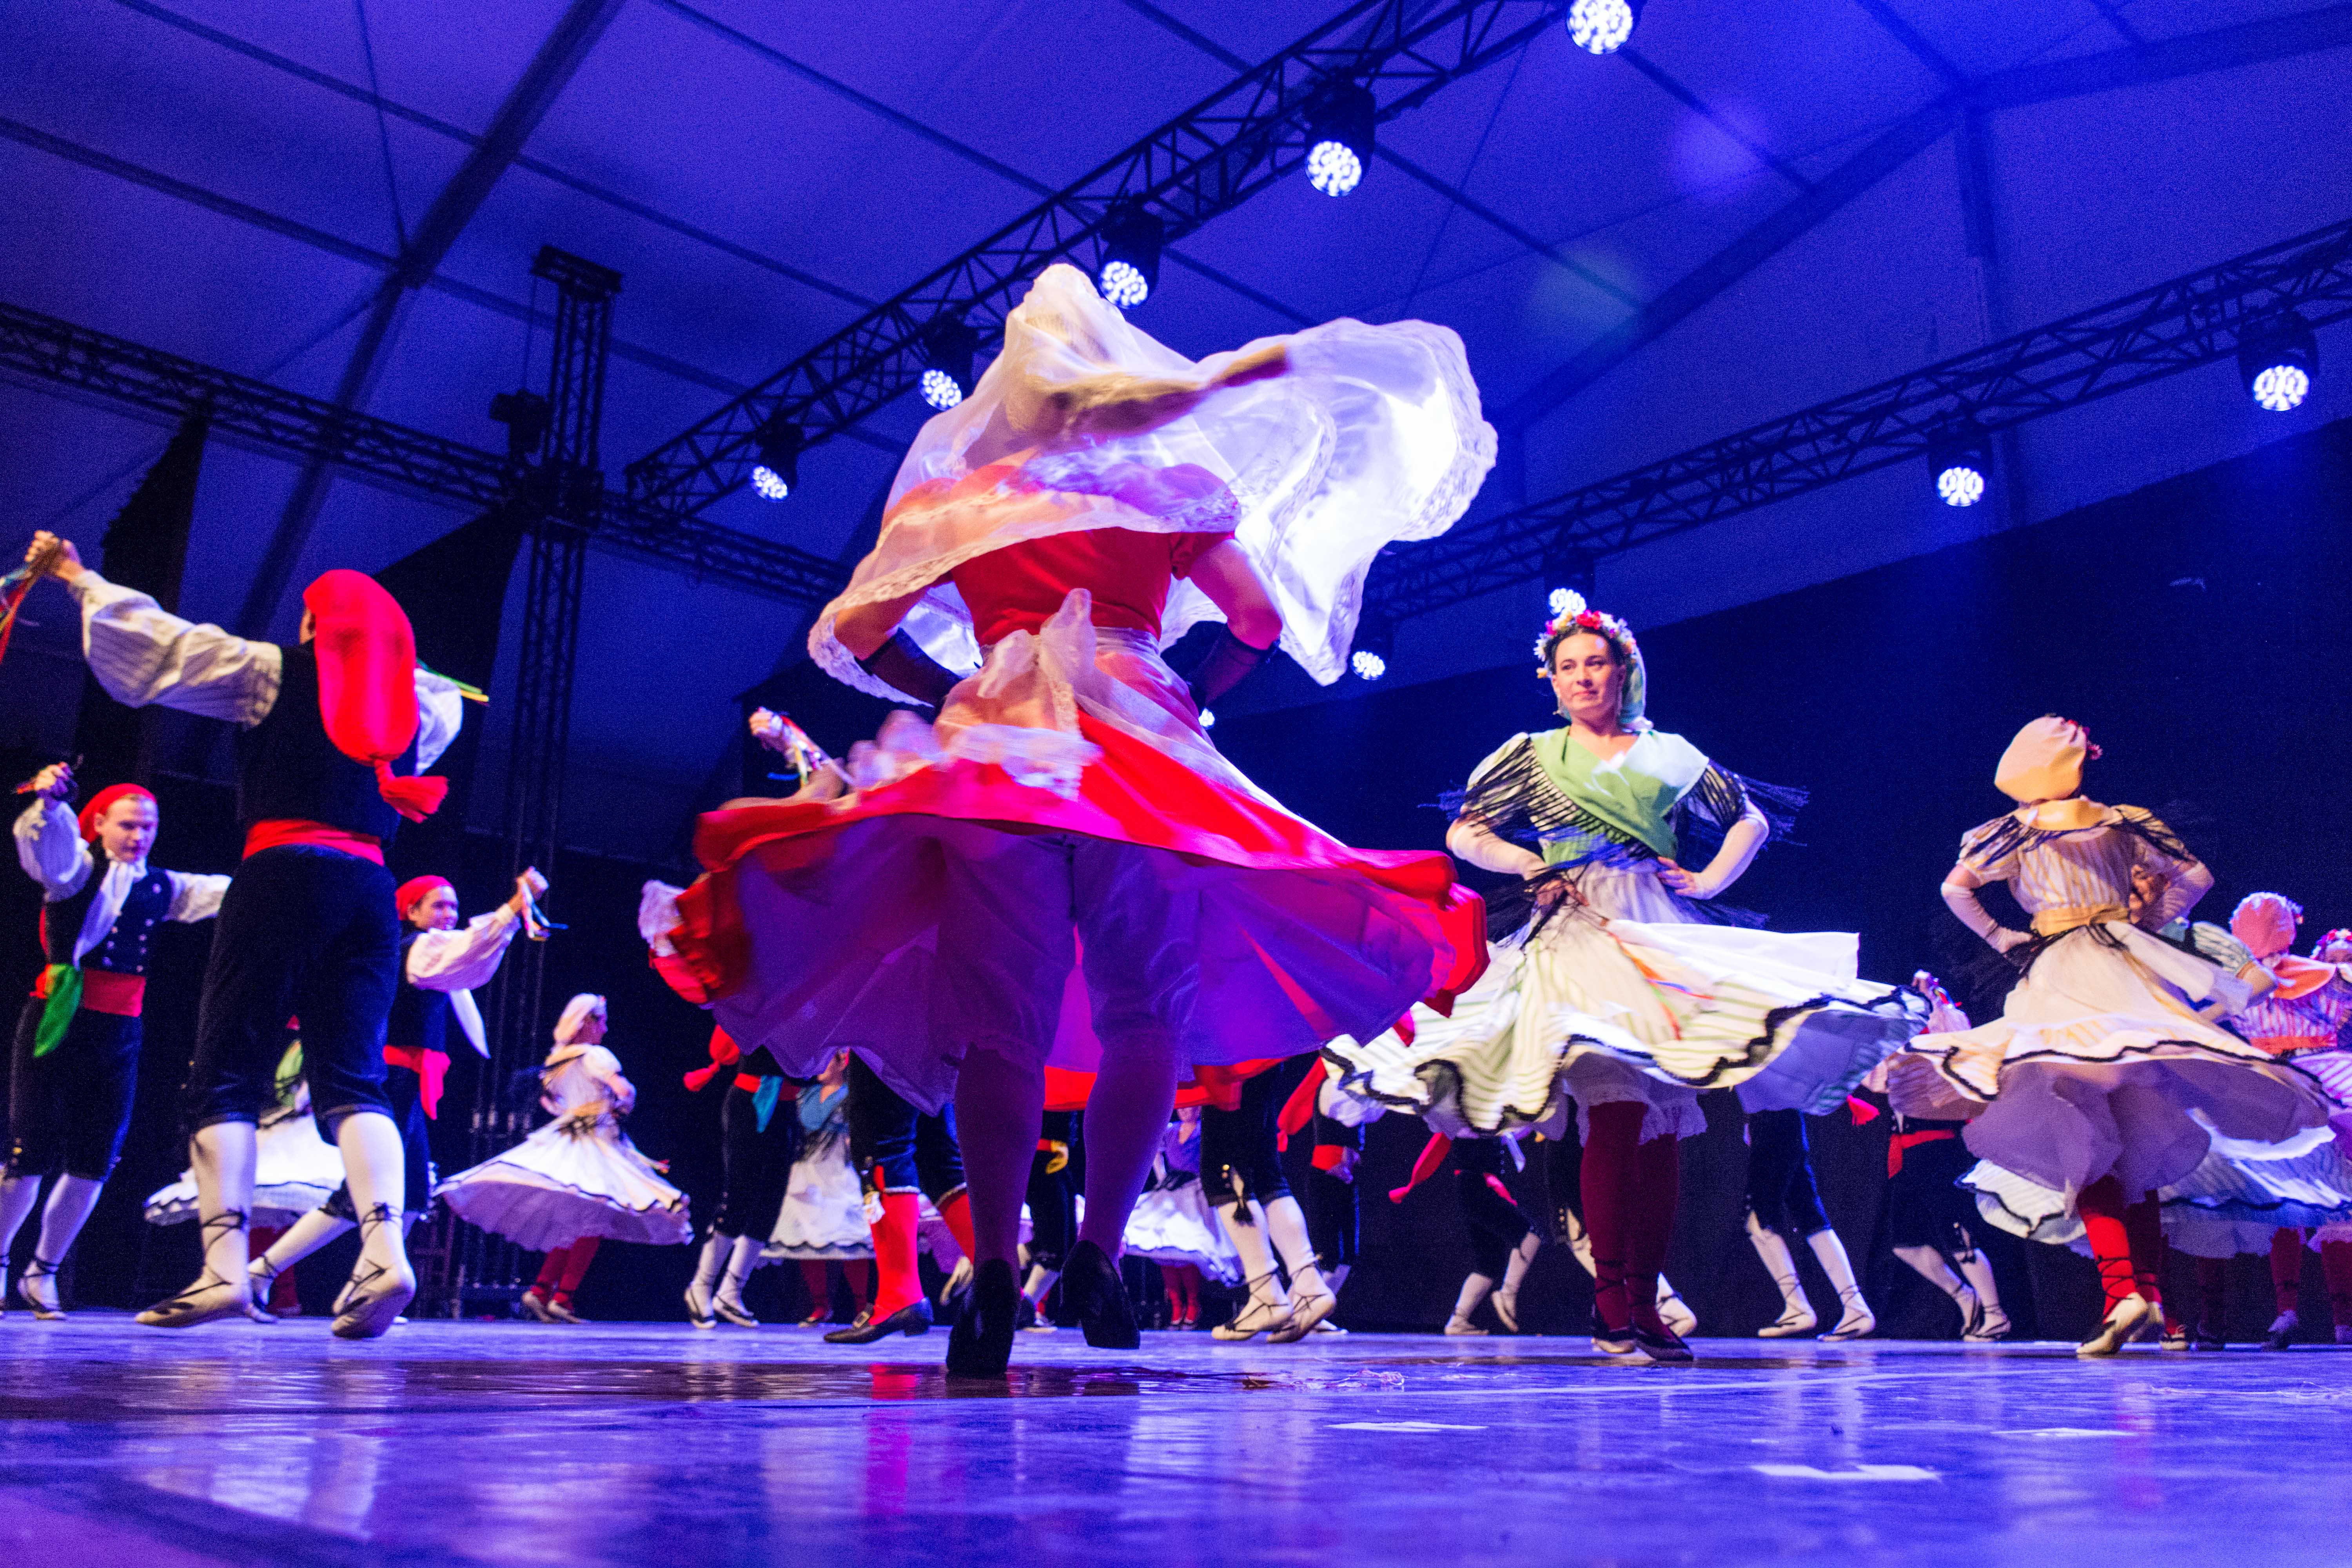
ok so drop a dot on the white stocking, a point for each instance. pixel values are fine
(1475, 1289)
(376, 1169)
(1287, 1223)
(713, 1259)
(68, 1210)
(1781, 1264)
(1930, 1266)
(744, 1257)
(222, 1156)
(18, 1197)
(1246, 1230)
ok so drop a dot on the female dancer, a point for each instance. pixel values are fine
(1617, 992)
(823, 1218)
(1097, 495)
(2106, 1077)
(577, 1180)
(1175, 1224)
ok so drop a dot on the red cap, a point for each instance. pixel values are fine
(103, 801)
(367, 683)
(413, 891)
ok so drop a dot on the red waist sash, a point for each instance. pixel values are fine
(277, 832)
(104, 991)
(1902, 1141)
(431, 1068)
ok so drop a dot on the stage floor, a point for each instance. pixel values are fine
(455, 1442)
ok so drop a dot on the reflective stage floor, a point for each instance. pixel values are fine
(464, 1443)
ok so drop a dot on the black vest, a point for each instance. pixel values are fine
(419, 1017)
(287, 767)
(124, 950)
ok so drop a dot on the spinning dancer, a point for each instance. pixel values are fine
(578, 1181)
(2106, 1077)
(1175, 1225)
(1618, 993)
(1093, 497)
(441, 965)
(1784, 1201)
(307, 927)
(77, 1053)
(757, 1126)
(1933, 1221)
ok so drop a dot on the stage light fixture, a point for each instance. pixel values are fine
(526, 415)
(1208, 720)
(779, 444)
(1131, 239)
(1375, 645)
(1602, 26)
(1962, 465)
(2278, 359)
(948, 349)
(1340, 139)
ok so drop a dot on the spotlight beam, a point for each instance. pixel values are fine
(2181, 325)
(1207, 161)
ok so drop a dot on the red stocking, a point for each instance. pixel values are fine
(1608, 1174)
(2101, 1204)
(894, 1254)
(820, 1288)
(1657, 1186)
(861, 1285)
(2144, 1228)
(2336, 1262)
(2213, 1293)
(956, 1210)
(550, 1271)
(582, 1253)
(2287, 1267)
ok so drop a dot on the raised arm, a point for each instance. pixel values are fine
(48, 840)
(142, 654)
(467, 957)
(196, 896)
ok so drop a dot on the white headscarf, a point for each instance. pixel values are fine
(576, 1012)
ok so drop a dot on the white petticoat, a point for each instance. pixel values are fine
(823, 1214)
(1177, 1225)
(577, 1176)
(2098, 1065)
(1644, 1005)
(294, 1171)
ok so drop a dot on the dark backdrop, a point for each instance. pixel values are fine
(2194, 626)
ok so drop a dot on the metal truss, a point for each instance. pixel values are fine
(257, 415)
(2161, 331)
(1206, 161)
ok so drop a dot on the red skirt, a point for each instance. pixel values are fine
(946, 905)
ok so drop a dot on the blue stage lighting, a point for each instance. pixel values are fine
(1132, 236)
(940, 389)
(1602, 26)
(947, 347)
(1962, 464)
(1339, 140)
(2277, 360)
(1208, 720)
(1368, 664)
(1960, 484)
(778, 445)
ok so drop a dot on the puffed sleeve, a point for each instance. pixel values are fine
(142, 654)
(463, 959)
(440, 712)
(1991, 850)
(49, 847)
(196, 895)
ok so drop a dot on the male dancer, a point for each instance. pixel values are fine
(757, 1132)
(307, 927)
(441, 964)
(77, 1051)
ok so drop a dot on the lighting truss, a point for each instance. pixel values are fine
(2189, 323)
(254, 415)
(1207, 161)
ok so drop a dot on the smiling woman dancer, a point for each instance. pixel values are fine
(1068, 818)
(1619, 993)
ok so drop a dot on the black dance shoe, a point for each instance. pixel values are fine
(1661, 1344)
(1607, 1340)
(1093, 1291)
(982, 1341)
(913, 1319)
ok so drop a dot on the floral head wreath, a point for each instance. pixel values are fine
(2339, 935)
(1570, 615)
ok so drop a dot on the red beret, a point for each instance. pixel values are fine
(103, 801)
(412, 892)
